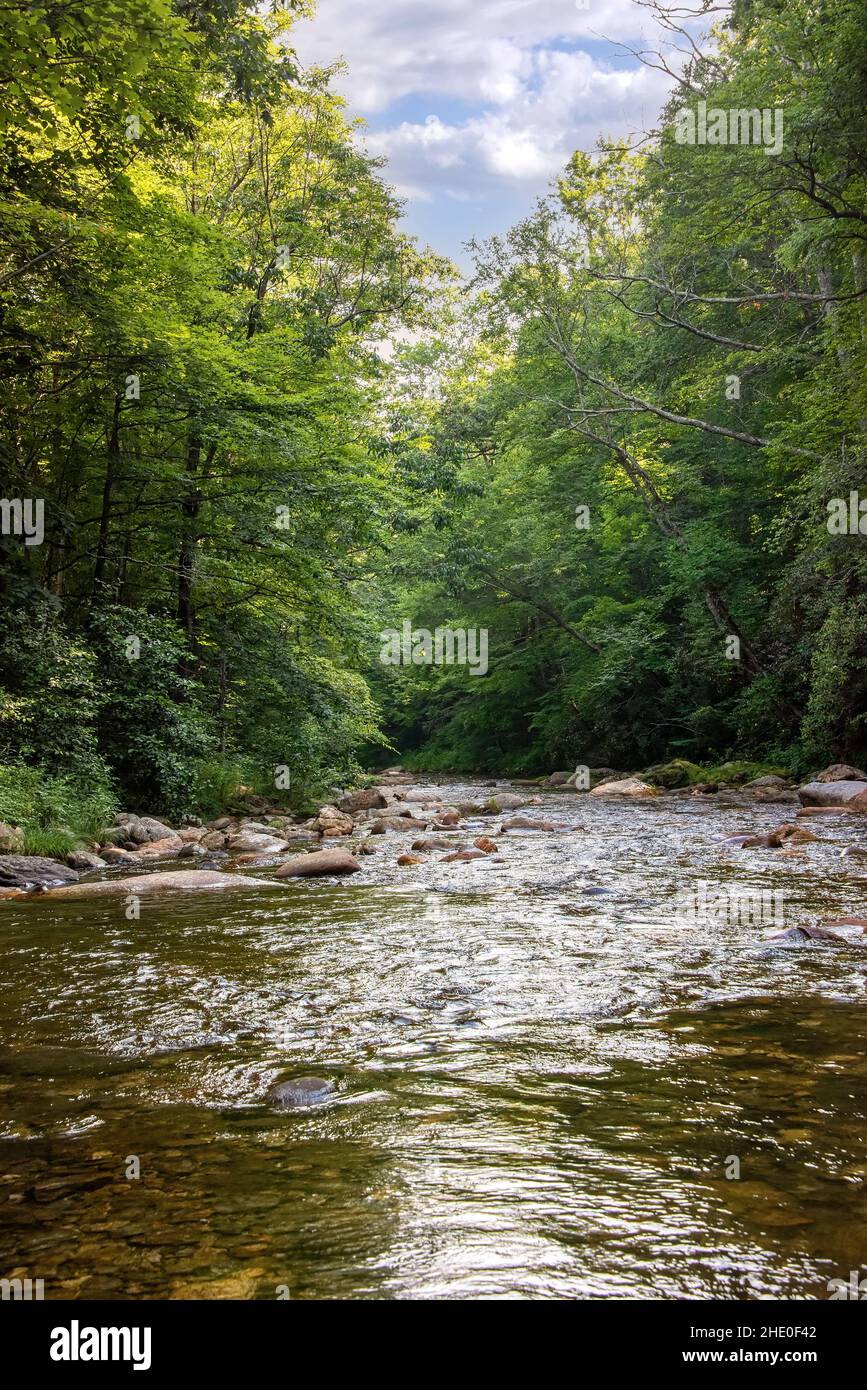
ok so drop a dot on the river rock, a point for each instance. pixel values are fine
(800, 936)
(367, 799)
(404, 823)
(447, 818)
(486, 845)
(506, 801)
(837, 793)
(221, 823)
(301, 1090)
(430, 846)
(192, 850)
(405, 860)
(775, 839)
(148, 885)
(168, 848)
(557, 779)
(33, 871)
(330, 822)
(143, 830)
(322, 861)
(214, 839)
(840, 772)
(11, 838)
(251, 843)
(84, 861)
(771, 783)
(627, 786)
(462, 855)
(113, 854)
(191, 833)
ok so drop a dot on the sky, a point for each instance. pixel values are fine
(478, 104)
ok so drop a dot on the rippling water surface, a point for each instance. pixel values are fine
(543, 1070)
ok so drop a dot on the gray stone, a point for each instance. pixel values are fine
(301, 1091)
(33, 871)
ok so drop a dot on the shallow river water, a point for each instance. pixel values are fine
(544, 1070)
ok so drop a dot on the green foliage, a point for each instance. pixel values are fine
(43, 803)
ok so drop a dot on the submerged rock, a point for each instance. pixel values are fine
(301, 1090)
(799, 936)
(462, 855)
(33, 871)
(321, 861)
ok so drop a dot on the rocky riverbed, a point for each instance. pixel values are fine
(517, 1067)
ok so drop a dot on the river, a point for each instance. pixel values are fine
(544, 1068)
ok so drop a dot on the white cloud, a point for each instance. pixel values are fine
(501, 91)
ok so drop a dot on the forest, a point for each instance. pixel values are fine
(249, 425)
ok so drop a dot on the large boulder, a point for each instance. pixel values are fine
(151, 885)
(330, 822)
(144, 829)
(367, 799)
(838, 793)
(679, 772)
(631, 787)
(33, 871)
(322, 861)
